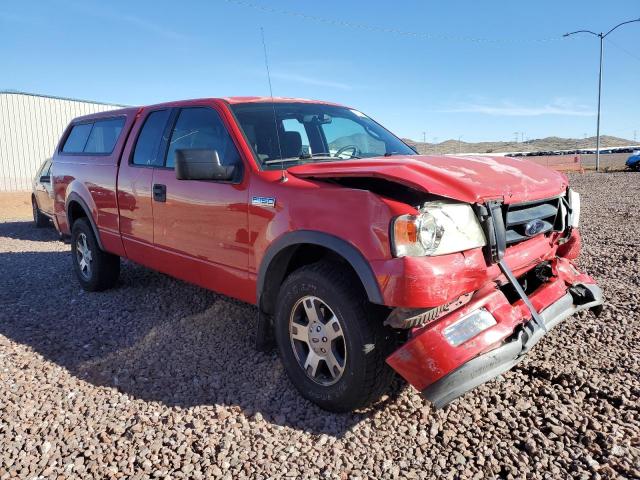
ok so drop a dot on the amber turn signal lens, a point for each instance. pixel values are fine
(405, 229)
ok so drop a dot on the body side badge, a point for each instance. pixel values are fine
(263, 202)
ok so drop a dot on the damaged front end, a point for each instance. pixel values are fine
(482, 334)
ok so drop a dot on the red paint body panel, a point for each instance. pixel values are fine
(428, 357)
(571, 249)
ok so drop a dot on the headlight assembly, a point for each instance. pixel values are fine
(438, 228)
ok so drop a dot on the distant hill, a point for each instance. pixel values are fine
(536, 145)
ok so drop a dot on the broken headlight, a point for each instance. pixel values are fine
(437, 229)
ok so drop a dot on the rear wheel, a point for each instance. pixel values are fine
(95, 269)
(39, 218)
(331, 340)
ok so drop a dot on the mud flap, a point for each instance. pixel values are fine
(265, 340)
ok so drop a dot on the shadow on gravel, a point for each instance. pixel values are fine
(152, 337)
(27, 231)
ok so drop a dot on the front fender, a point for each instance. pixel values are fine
(341, 247)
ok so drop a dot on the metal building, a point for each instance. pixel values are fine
(30, 127)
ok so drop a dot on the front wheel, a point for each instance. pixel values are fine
(331, 340)
(95, 269)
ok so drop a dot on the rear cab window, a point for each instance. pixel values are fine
(77, 138)
(97, 137)
(104, 135)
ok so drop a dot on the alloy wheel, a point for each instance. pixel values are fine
(83, 256)
(317, 340)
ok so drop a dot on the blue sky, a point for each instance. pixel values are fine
(469, 69)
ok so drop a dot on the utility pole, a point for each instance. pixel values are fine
(424, 137)
(601, 36)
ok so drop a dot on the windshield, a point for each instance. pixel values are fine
(309, 132)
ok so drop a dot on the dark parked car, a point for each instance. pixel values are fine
(42, 195)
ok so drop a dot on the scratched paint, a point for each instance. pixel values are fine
(468, 179)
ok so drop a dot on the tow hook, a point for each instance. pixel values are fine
(543, 272)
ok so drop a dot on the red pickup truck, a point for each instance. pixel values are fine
(363, 257)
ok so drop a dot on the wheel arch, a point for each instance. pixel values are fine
(77, 208)
(277, 260)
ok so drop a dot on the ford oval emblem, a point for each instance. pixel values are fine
(534, 227)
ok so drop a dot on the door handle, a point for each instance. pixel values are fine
(159, 192)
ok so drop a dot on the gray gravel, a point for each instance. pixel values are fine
(159, 379)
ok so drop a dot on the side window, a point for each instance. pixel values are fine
(104, 135)
(77, 138)
(202, 128)
(146, 151)
(295, 135)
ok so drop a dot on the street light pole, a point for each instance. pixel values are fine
(599, 97)
(601, 36)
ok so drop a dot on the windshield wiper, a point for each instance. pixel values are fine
(282, 160)
(307, 156)
(327, 155)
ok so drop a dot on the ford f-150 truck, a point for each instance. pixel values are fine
(362, 257)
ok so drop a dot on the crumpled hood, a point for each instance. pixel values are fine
(471, 178)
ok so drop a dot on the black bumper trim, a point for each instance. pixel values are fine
(491, 364)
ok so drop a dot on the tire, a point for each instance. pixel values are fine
(95, 269)
(40, 219)
(360, 375)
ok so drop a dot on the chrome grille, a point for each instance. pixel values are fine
(520, 218)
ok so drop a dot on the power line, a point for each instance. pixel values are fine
(393, 31)
(633, 55)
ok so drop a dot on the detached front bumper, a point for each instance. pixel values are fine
(444, 370)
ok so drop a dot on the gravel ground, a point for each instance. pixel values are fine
(159, 379)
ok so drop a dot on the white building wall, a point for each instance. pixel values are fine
(30, 127)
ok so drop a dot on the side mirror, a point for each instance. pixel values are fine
(45, 179)
(201, 164)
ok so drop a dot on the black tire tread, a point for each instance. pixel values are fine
(106, 265)
(41, 220)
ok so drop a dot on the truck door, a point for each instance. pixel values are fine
(135, 176)
(44, 190)
(200, 226)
